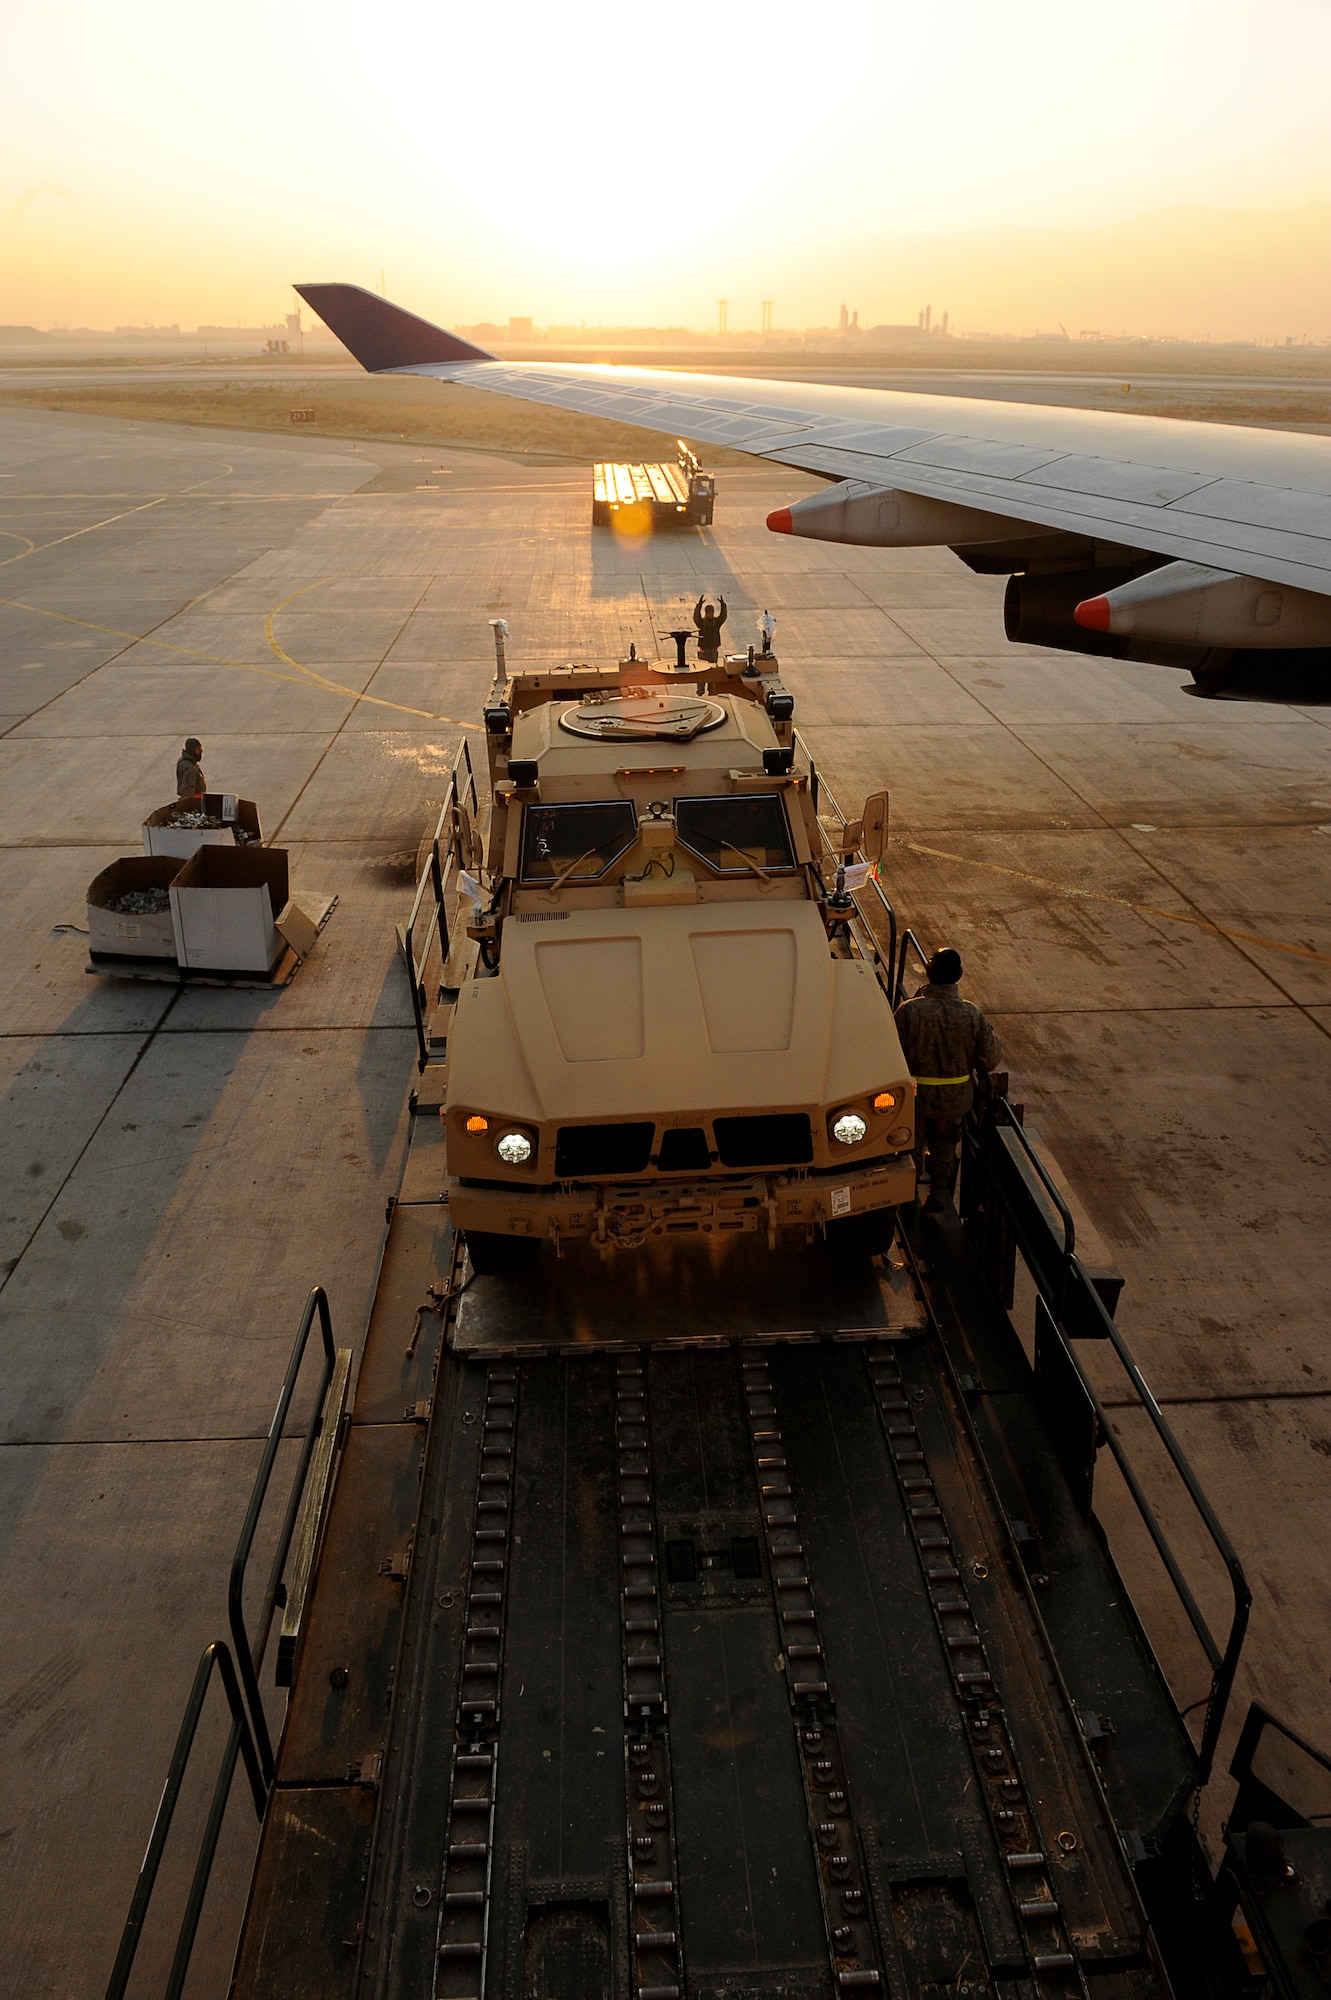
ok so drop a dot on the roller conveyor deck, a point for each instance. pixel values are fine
(752, 1646)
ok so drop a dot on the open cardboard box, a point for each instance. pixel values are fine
(224, 906)
(150, 936)
(160, 837)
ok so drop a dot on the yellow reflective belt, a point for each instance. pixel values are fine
(940, 1082)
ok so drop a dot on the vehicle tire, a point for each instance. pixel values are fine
(495, 1256)
(862, 1235)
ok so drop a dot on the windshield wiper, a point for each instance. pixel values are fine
(553, 888)
(749, 862)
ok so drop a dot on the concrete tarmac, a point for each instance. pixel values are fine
(1137, 880)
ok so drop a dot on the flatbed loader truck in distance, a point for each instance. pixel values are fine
(680, 1611)
(662, 495)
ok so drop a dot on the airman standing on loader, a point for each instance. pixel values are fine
(709, 621)
(944, 1038)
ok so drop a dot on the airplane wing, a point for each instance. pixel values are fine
(1197, 545)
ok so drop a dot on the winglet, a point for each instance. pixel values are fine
(381, 335)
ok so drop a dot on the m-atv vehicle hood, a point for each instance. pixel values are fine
(623, 1014)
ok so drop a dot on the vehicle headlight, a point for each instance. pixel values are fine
(513, 1148)
(849, 1128)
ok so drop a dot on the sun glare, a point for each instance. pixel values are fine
(605, 163)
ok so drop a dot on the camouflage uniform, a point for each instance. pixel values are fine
(943, 1035)
(190, 781)
(709, 625)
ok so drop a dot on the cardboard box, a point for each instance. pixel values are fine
(148, 936)
(223, 905)
(160, 837)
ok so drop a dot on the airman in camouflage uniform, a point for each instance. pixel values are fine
(944, 1039)
(190, 781)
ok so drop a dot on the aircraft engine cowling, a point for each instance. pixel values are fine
(1189, 603)
(885, 517)
(1041, 611)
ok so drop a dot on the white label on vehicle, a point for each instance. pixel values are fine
(841, 1201)
(228, 808)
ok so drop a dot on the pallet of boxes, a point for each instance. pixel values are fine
(206, 903)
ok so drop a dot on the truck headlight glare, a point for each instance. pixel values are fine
(513, 1148)
(849, 1128)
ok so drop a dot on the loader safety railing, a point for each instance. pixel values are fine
(1277, 1848)
(1282, 1778)
(909, 943)
(999, 1166)
(820, 794)
(237, 1666)
(427, 938)
(1002, 1219)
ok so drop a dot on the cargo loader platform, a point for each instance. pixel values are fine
(679, 1635)
(679, 495)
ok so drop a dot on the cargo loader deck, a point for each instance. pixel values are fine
(755, 1647)
(676, 1634)
(678, 495)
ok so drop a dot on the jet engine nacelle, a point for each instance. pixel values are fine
(1042, 611)
(884, 517)
(1191, 604)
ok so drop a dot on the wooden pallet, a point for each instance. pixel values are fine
(166, 972)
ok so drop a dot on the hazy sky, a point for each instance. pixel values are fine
(172, 162)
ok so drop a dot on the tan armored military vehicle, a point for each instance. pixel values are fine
(671, 1025)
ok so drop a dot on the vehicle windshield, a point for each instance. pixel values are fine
(576, 842)
(734, 835)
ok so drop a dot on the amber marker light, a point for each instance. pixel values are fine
(478, 1124)
(885, 1101)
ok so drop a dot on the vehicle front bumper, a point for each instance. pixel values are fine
(627, 1213)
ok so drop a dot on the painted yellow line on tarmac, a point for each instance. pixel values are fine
(320, 679)
(90, 529)
(1119, 902)
(12, 535)
(300, 679)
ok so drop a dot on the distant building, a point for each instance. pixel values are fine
(520, 328)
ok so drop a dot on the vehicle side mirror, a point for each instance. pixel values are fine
(873, 827)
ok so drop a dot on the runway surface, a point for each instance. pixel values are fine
(1138, 882)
